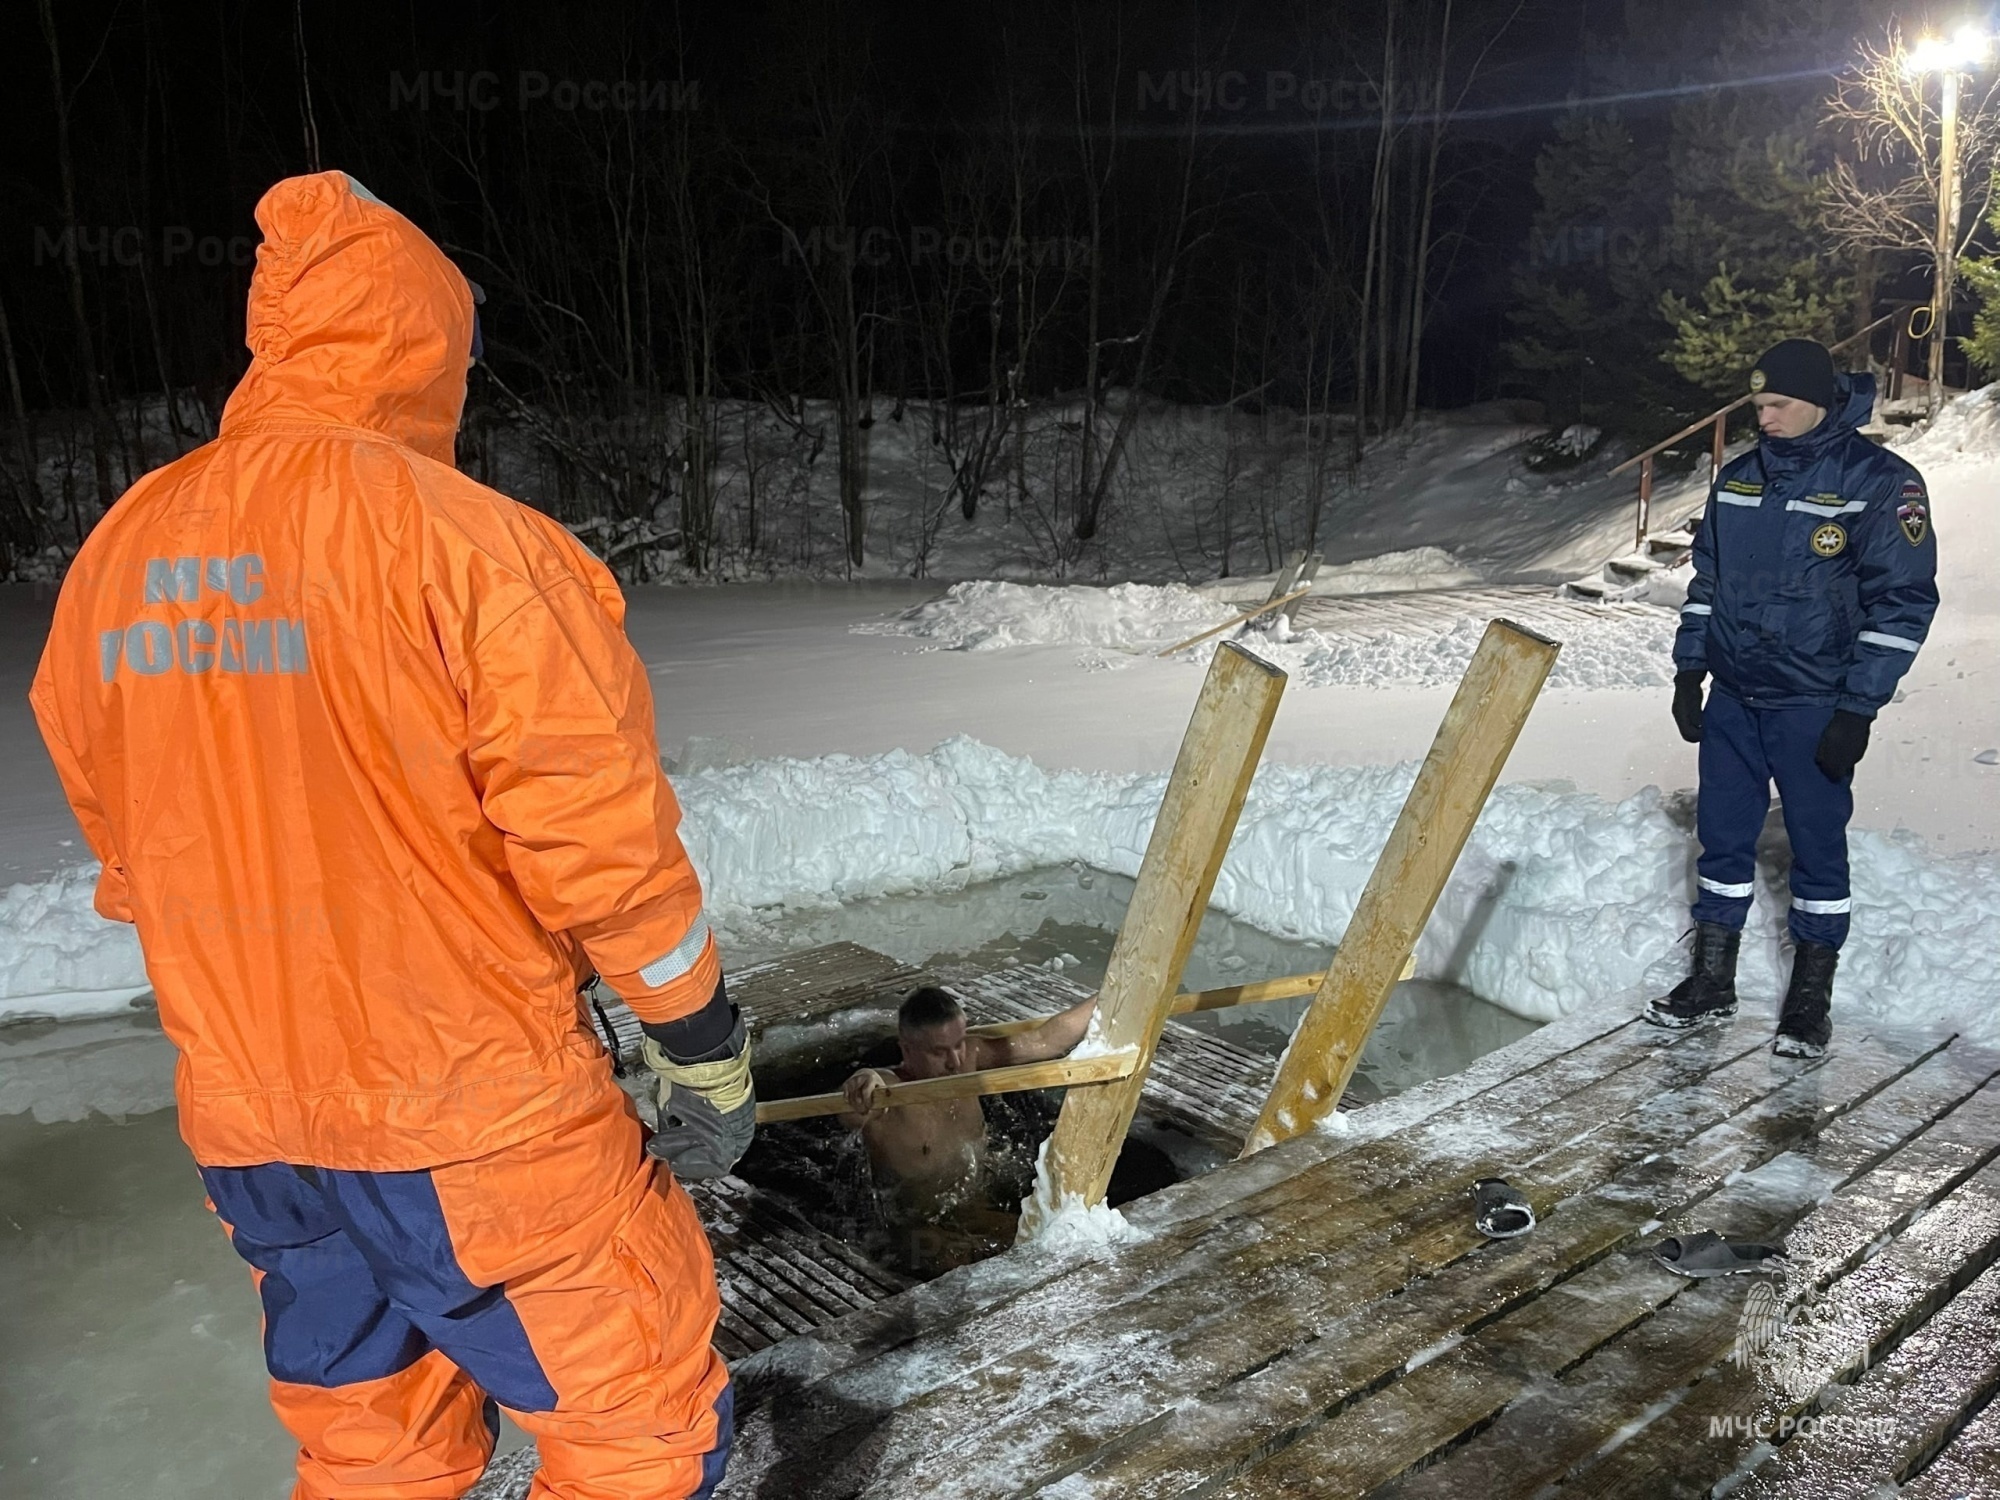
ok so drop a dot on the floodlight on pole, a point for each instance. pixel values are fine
(1965, 49)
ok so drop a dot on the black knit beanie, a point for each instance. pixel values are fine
(1800, 368)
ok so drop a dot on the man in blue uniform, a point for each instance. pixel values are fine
(1815, 579)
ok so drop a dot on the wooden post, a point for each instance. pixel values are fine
(1715, 446)
(1197, 817)
(1472, 744)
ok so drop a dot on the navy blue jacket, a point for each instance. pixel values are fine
(1815, 568)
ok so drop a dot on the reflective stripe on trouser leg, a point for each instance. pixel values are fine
(370, 1403)
(1730, 809)
(1817, 810)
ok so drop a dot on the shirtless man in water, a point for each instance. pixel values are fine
(935, 1152)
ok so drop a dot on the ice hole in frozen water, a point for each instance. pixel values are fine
(135, 1362)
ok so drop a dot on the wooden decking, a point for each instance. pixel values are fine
(778, 1274)
(1322, 1319)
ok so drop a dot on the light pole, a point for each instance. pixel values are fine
(1948, 57)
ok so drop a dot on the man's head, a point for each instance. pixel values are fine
(930, 1025)
(1793, 388)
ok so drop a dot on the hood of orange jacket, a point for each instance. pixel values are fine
(355, 318)
(361, 743)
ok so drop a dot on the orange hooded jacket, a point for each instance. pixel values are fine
(361, 744)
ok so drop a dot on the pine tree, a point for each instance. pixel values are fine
(1713, 247)
(1747, 202)
(1585, 295)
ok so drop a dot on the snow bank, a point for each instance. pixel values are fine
(991, 616)
(1561, 898)
(1966, 430)
(58, 957)
(1393, 572)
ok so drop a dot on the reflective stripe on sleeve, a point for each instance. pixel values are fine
(1877, 638)
(1810, 508)
(1728, 497)
(1691, 608)
(1716, 887)
(679, 959)
(1838, 908)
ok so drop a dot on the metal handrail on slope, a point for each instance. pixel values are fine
(1719, 418)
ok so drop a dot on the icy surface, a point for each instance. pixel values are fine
(1077, 1230)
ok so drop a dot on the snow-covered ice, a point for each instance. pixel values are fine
(1624, 648)
(1627, 647)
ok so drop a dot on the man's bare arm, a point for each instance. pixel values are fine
(1052, 1038)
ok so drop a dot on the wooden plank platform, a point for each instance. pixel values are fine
(1322, 1319)
(779, 1275)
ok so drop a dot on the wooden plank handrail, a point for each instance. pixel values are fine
(1244, 619)
(1057, 1072)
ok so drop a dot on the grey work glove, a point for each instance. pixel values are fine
(708, 1109)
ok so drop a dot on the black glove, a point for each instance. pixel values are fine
(1687, 705)
(708, 1108)
(1842, 744)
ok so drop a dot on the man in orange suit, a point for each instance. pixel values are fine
(368, 760)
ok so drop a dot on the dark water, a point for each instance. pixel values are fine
(822, 1169)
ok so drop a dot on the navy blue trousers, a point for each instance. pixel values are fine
(1743, 751)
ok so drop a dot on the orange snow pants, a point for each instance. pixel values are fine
(565, 1278)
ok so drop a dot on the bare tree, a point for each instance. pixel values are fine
(103, 434)
(828, 159)
(1908, 156)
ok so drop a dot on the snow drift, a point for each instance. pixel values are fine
(1561, 899)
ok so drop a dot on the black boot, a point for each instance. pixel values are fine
(1804, 1028)
(1710, 990)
